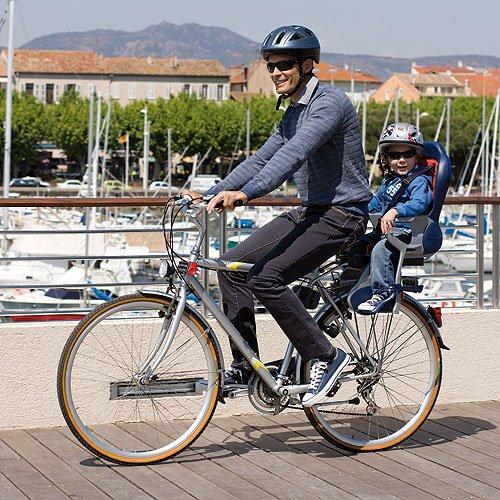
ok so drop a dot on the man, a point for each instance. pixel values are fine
(318, 143)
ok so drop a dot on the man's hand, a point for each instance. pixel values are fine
(387, 221)
(193, 194)
(227, 199)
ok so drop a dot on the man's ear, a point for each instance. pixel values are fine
(307, 66)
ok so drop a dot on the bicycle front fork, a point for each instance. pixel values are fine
(165, 338)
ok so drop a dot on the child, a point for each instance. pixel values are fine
(405, 192)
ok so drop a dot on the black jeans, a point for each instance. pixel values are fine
(288, 247)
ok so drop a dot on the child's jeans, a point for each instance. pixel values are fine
(383, 261)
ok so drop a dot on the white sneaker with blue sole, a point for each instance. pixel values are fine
(324, 375)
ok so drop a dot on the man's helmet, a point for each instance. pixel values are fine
(401, 133)
(296, 40)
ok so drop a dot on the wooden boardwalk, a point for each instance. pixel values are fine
(455, 455)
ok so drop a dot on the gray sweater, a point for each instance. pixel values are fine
(318, 142)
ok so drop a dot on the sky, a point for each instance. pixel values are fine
(404, 28)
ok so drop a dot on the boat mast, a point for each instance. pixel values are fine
(8, 122)
(8, 104)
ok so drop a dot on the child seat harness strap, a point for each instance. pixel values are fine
(404, 184)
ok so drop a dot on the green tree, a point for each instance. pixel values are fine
(67, 125)
(28, 127)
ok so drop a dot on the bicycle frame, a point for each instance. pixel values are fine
(190, 281)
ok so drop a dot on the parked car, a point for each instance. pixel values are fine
(28, 182)
(203, 182)
(70, 183)
(158, 185)
(112, 184)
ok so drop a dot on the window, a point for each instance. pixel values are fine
(78, 89)
(56, 93)
(225, 91)
(212, 91)
(90, 89)
(204, 91)
(69, 87)
(49, 93)
(186, 88)
(42, 93)
(436, 90)
(115, 90)
(132, 90)
(168, 91)
(29, 88)
(151, 91)
(220, 92)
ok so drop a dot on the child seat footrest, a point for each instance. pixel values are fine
(387, 305)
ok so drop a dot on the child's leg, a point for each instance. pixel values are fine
(382, 261)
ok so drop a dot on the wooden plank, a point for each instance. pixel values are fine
(9, 490)
(198, 459)
(192, 483)
(492, 405)
(478, 428)
(282, 462)
(412, 483)
(168, 479)
(490, 413)
(63, 444)
(455, 443)
(462, 431)
(479, 479)
(252, 463)
(51, 466)
(24, 476)
(328, 464)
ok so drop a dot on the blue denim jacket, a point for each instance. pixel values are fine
(415, 199)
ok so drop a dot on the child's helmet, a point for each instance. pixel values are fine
(401, 133)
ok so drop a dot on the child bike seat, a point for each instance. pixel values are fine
(426, 235)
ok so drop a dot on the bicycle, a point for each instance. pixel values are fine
(140, 376)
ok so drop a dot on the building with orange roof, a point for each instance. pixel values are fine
(254, 79)
(48, 74)
(351, 82)
(412, 87)
(476, 81)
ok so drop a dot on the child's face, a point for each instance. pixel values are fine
(398, 161)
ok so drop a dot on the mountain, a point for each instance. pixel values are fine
(194, 41)
(188, 41)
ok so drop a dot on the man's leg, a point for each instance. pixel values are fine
(319, 235)
(237, 297)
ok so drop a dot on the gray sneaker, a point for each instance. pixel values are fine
(324, 374)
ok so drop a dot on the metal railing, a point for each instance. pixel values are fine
(493, 204)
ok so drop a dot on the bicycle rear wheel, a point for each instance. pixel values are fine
(376, 413)
(114, 415)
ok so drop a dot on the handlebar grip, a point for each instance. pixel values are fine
(237, 203)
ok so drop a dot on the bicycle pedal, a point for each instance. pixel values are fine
(235, 390)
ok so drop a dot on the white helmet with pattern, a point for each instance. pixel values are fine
(401, 133)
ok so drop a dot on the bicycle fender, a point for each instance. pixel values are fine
(203, 322)
(325, 311)
(430, 320)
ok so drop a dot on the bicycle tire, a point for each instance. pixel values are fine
(105, 432)
(347, 426)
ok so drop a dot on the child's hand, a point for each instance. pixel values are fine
(387, 221)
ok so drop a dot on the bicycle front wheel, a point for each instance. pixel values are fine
(376, 413)
(114, 415)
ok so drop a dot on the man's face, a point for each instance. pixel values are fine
(285, 80)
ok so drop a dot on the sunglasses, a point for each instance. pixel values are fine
(396, 155)
(282, 65)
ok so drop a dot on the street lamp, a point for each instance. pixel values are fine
(420, 115)
(145, 171)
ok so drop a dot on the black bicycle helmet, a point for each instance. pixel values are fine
(296, 40)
